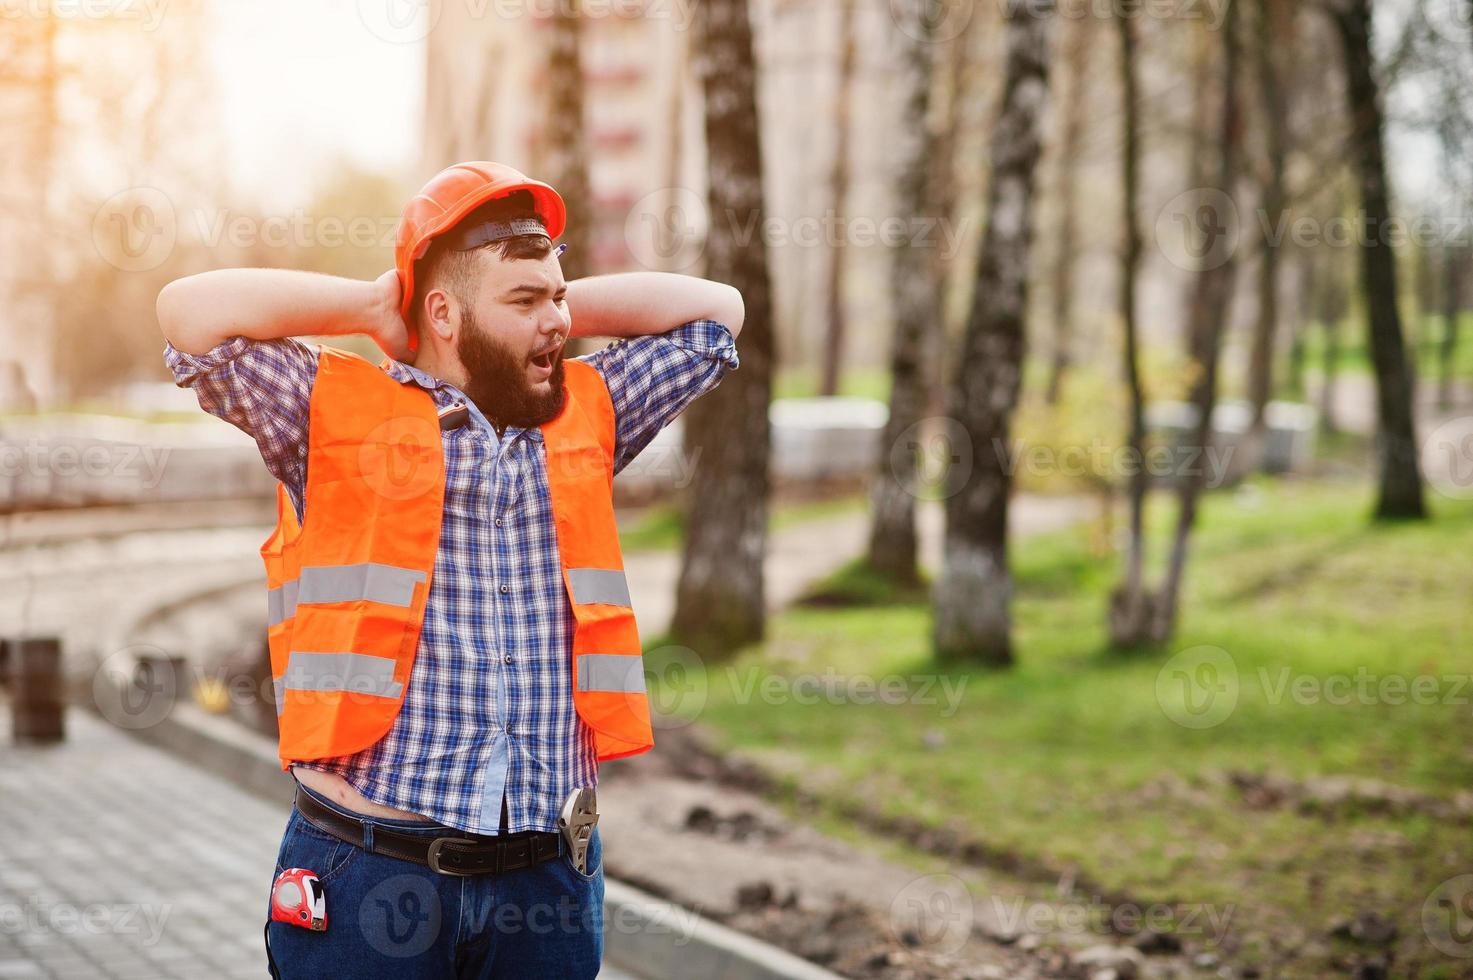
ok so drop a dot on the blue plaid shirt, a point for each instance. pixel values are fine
(488, 712)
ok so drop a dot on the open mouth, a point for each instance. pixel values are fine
(544, 360)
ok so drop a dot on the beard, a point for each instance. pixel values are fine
(498, 381)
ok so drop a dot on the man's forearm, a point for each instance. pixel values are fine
(633, 303)
(200, 311)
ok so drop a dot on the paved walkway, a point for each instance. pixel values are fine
(98, 879)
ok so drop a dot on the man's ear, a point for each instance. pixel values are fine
(440, 314)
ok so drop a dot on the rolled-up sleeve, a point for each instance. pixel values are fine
(262, 387)
(653, 378)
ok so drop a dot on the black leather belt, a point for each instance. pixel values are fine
(471, 854)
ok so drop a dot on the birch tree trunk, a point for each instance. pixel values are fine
(915, 283)
(973, 594)
(719, 598)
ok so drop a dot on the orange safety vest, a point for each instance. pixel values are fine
(347, 589)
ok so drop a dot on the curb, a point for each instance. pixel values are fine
(637, 927)
(656, 938)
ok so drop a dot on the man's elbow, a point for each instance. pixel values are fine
(731, 309)
(169, 308)
(172, 308)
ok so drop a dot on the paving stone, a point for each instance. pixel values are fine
(104, 878)
(99, 878)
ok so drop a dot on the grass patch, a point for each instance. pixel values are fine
(1073, 759)
(857, 584)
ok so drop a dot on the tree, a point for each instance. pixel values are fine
(973, 593)
(1130, 605)
(1136, 616)
(566, 158)
(839, 180)
(1271, 35)
(1073, 101)
(719, 598)
(1452, 305)
(1331, 295)
(1206, 320)
(1400, 492)
(915, 283)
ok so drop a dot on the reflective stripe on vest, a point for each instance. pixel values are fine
(369, 581)
(347, 591)
(606, 585)
(610, 672)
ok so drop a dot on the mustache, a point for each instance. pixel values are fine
(556, 345)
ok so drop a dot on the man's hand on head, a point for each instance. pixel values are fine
(387, 327)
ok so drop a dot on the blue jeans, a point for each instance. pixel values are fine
(398, 919)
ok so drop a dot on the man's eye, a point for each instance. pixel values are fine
(526, 302)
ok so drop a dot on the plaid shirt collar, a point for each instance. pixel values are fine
(409, 374)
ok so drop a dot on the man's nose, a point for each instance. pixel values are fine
(556, 321)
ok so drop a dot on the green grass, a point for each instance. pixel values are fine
(1069, 758)
(1354, 356)
(857, 584)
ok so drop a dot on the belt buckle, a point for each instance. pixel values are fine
(432, 857)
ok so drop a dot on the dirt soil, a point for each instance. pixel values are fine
(685, 825)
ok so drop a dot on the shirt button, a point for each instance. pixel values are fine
(505, 589)
(498, 522)
(506, 659)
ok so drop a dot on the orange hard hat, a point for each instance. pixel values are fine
(449, 196)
